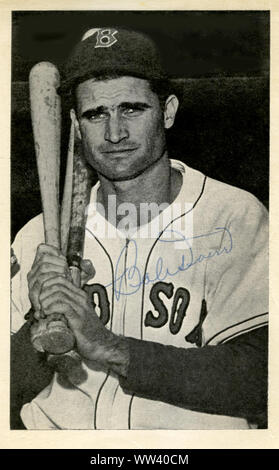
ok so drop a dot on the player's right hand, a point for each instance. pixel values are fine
(48, 263)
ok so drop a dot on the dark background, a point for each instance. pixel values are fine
(219, 63)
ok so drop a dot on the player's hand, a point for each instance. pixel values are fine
(87, 271)
(49, 262)
(59, 296)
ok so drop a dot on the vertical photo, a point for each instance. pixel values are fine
(139, 220)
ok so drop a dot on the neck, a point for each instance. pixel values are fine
(159, 184)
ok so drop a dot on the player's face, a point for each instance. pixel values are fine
(122, 126)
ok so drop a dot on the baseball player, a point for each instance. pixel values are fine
(171, 320)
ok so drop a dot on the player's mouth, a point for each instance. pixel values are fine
(125, 152)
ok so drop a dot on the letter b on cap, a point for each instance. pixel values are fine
(105, 37)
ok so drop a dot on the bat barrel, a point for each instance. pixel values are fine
(44, 80)
(46, 122)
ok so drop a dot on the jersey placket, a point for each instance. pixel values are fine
(111, 413)
(121, 401)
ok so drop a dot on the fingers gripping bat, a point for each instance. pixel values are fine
(52, 334)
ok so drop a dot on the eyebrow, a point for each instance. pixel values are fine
(126, 104)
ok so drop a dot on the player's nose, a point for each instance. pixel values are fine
(116, 129)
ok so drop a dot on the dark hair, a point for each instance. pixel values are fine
(161, 87)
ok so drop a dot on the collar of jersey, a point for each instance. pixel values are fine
(189, 193)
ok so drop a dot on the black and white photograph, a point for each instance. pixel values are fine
(139, 219)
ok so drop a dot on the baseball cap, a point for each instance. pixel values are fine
(112, 50)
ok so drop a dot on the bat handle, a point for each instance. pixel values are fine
(75, 273)
(52, 334)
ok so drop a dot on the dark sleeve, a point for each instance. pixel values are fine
(30, 374)
(227, 379)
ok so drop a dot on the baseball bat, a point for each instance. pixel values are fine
(50, 334)
(81, 190)
(67, 193)
(77, 189)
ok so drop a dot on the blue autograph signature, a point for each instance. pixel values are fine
(131, 279)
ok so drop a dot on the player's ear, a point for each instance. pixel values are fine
(76, 123)
(171, 107)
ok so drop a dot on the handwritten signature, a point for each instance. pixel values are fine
(129, 281)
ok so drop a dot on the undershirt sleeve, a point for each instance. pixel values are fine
(30, 373)
(228, 379)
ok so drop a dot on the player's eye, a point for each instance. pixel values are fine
(132, 111)
(98, 117)
(95, 116)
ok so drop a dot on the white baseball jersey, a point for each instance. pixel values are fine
(209, 246)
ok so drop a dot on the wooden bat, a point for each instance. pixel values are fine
(67, 193)
(77, 189)
(81, 189)
(51, 336)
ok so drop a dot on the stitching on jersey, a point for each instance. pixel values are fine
(97, 399)
(111, 320)
(114, 395)
(232, 326)
(238, 333)
(112, 272)
(130, 412)
(125, 280)
(206, 264)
